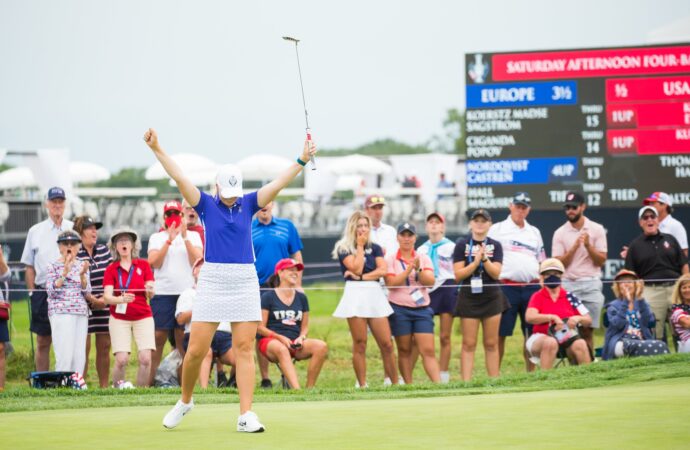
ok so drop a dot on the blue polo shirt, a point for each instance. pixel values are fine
(228, 230)
(272, 242)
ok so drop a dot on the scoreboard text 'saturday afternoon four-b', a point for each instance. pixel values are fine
(613, 123)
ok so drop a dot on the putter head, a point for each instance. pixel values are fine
(291, 39)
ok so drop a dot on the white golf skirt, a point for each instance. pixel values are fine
(363, 299)
(227, 293)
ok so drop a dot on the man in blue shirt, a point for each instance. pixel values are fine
(274, 239)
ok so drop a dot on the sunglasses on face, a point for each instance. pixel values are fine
(569, 207)
(648, 217)
(378, 200)
(172, 213)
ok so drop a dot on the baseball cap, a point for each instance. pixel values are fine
(373, 200)
(68, 236)
(551, 264)
(437, 215)
(646, 208)
(56, 192)
(83, 222)
(407, 226)
(287, 263)
(229, 179)
(625, 273)
(521, 198)
(661, 197)
(172, 205)
(480, 212)
(573, 198)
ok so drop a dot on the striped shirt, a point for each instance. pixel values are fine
(100, 259)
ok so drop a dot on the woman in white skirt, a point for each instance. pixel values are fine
(364, 302)
(228, 287)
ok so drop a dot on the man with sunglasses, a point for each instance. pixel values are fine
(171, 254)
(580, 244)
(658, 259)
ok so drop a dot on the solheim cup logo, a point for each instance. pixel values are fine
(232, 181)
(478, 70)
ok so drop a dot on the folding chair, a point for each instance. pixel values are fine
(674, 336)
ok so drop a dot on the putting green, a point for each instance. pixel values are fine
(640, 415)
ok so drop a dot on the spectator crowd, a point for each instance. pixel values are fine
(496, 275)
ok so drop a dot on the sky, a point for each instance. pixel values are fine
(215, 77)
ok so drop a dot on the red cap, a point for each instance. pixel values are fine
(172, 205)
(435, 214)
(287, 263)
(373, 200)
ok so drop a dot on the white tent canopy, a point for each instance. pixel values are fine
(263, 166)
(87, 172)
(196, 167)
(359, 165)
(17, 177)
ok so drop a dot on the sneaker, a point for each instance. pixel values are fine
(357, 386)
(401, 382)
(387, 382)
(175, 415)
(122, 384)
(445, 377)
(249, 423)
(266, 383)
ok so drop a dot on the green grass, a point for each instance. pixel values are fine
(640, 415)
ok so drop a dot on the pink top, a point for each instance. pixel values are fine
(581, 266)
(409, 293)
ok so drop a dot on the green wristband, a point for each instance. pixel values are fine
(301, 163)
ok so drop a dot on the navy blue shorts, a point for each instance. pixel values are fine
(221, 343)
(518, 296)
(4, 331)
(443, 298)
(406, 321)
(39, 312)
(163, 309)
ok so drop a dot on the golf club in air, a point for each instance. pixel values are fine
(304, 102)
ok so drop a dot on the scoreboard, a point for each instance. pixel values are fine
(612, 123)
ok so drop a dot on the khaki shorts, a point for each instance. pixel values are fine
(121, 332)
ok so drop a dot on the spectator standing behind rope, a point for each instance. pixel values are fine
(285, 325)
(363, 302)
(629, 315)
(5, 275)
(128, 284)
(67, 283)
(228, 288)
(668, 224)
(192, 220)
(444, 292)
(479, 259)
(171, 254)
(523, 250)
(98, 256)
(553, 305)
(680, 312)
(39, 251)
(658, 259)
(580, 244)
(409, 275)
(382, 234)
(273, 239)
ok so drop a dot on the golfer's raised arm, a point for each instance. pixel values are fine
(187, 189)
(269, 191)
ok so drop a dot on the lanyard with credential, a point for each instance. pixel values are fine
(124, 287)
(469, 258)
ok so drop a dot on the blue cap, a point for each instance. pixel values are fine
(521, 198)
(407, 226)
(56, 192)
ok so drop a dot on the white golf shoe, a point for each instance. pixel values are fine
(249, 423)
(175, 415)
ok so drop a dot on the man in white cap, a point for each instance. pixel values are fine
(39, 251)
(657, 258)
(381, 233)
(663, 203)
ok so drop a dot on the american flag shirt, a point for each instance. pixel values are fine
(68, 299)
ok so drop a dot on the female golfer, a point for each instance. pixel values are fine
(228, 287)
(478, 259)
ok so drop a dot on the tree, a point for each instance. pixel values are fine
(379, 147)
(453, 139)
(134, 177)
